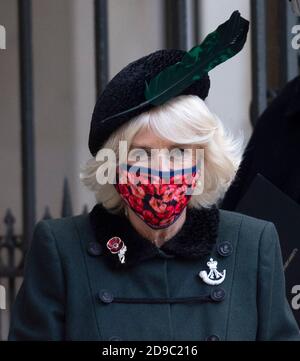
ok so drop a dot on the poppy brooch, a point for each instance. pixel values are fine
(117, 246)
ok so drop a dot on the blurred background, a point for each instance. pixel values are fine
(58, 57)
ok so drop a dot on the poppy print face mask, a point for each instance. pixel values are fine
(157, 197)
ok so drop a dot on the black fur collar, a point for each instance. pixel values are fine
(195, 239)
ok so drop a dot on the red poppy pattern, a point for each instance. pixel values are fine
(115, 244)
(157, 203)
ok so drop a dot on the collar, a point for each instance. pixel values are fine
(194, 239)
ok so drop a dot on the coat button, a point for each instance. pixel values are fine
(212, 338)
(105, 296)
(115, 338)
(217, 294)
(95, 249)
(225, 248)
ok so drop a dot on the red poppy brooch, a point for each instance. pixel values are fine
(117, 246)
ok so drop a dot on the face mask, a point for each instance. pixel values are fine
(157, 197)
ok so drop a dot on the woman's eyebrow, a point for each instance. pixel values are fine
(139, 146)
(149, 148)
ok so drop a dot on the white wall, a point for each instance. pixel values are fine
(230, 92)
(136, 28)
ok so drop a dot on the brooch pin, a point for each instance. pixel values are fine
(117, 246)
(214, 277)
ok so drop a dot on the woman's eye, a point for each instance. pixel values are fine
(140, 154)
(179, 152)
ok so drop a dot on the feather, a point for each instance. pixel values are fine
(222, 44)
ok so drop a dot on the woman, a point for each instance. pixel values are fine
(156, 260)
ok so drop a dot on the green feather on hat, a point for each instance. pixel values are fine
(222, 44)
(219, 46)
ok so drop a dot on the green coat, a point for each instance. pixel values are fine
(76, 289)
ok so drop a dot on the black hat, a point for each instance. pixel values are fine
(161, 75)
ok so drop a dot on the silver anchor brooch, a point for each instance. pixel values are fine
(214, 277)
(117, 246)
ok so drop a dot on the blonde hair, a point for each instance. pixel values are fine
(184, 119)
